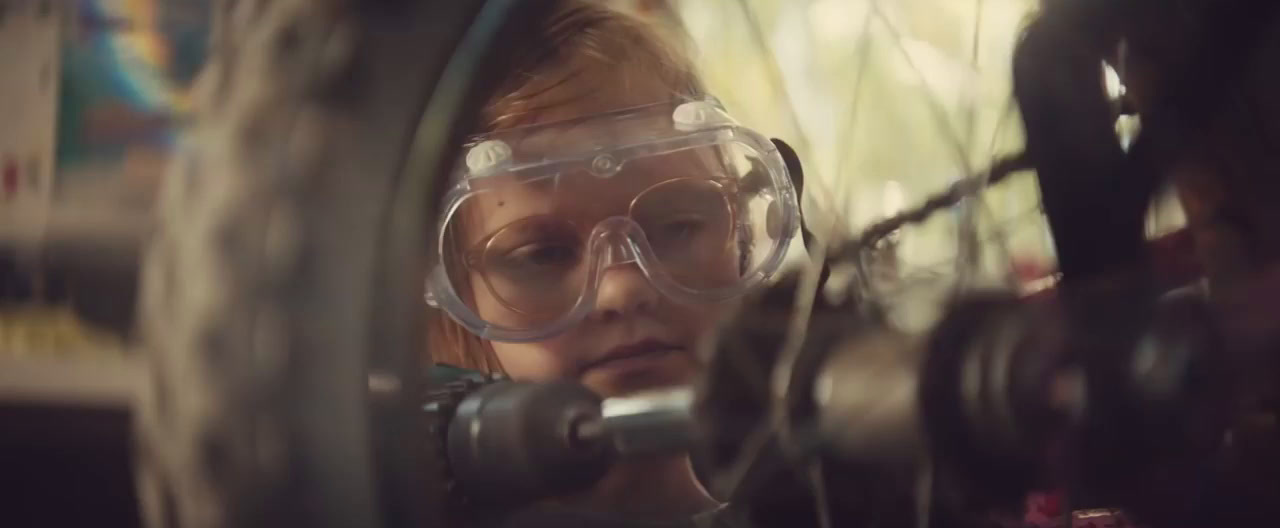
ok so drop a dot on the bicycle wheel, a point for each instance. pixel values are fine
(279, 296)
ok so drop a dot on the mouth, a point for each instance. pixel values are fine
(635, 355)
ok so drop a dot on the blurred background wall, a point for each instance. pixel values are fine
(887, 102)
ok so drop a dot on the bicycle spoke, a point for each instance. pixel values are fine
(935, 105)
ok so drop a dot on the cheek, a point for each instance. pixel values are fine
(486, 305)
(489, 307)
(531, 361)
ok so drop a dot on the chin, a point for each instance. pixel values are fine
(620, 380)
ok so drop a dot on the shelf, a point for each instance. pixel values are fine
(68, 382)
(66, 226)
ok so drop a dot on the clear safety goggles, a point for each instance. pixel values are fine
(536, 216)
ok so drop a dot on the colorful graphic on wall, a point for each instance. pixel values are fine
(126, 69)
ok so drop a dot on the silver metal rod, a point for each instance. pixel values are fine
(650, 423)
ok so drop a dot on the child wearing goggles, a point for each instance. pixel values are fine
(599, 224)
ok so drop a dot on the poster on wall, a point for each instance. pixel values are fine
(126, 67)
(93, 96)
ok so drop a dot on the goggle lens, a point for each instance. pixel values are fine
(538, 267)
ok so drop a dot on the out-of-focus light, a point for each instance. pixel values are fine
(1128, 127)
(894, 199)
(939, 72)
(837, 20)
(1165, 214)
(1115, 87)
(698, 18)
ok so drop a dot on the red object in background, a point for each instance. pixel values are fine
(9, 178)
(1044, 510)
(1050, 505)
(1174, 258)
(1028, 270)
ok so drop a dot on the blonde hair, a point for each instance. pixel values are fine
(581, 38)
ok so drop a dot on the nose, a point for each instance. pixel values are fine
(623, 291)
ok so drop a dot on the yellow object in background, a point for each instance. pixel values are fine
(53, 332)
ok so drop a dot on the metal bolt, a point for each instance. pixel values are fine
(604, 165)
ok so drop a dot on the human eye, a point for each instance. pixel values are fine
(535, 254)
(543, 254)
(678, 229)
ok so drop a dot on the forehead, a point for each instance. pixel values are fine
(583, 195)
(594, 90)
(572, 133)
